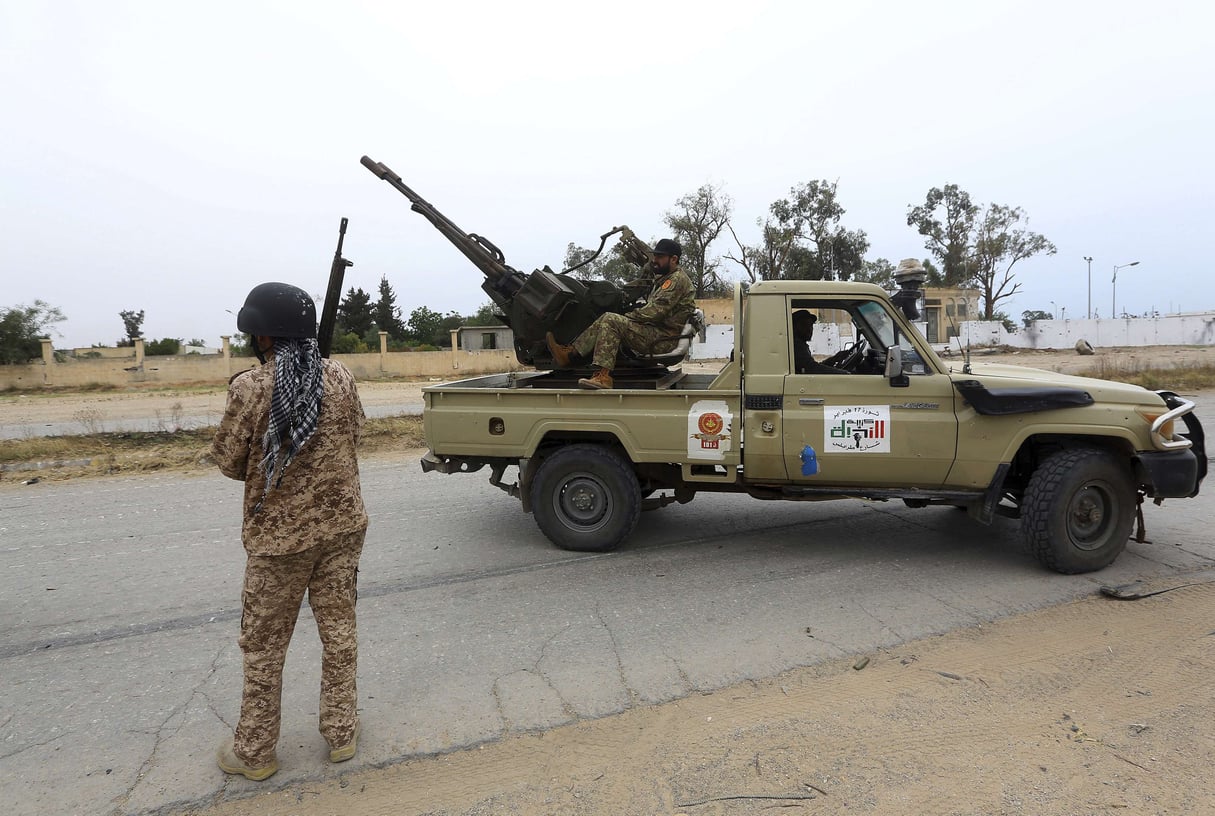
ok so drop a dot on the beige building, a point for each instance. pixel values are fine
(945, 309)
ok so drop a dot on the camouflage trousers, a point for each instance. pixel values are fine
(609, 330)
(274, 589)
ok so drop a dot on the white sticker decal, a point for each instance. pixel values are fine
(709, 425)
(856, 429)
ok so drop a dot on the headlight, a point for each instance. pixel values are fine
(1153, 414)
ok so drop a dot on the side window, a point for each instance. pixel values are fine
(821, 333)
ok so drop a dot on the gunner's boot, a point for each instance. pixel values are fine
(601, 379)
(561, 353)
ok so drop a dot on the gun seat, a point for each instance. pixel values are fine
(695, 326)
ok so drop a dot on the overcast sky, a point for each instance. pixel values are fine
(169, 156)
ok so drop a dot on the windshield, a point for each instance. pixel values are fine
(879, 321)
(881, 327)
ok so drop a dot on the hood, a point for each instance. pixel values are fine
(999, 375)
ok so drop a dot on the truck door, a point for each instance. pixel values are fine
(845, 422)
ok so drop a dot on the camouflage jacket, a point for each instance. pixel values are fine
(670, 303)
(319, 493)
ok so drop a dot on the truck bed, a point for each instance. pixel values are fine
(666, 419)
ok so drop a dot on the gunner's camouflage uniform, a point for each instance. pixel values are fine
(308, 535)
(652, 329)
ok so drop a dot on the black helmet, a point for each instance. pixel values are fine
(278, 310)
(668, 246)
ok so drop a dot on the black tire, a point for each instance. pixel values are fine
(1078, 510)
(586, 498)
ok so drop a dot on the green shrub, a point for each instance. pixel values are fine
(162, 348)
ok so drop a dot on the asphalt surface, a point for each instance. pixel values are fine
(119, 599)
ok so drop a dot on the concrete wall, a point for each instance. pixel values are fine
(218, 368)
(1167, 330)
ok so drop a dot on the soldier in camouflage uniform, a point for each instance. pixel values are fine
(289, 432)
(652, 329)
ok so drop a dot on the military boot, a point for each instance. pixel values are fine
(601, 379)
(230, 763)
(561, 353)
(347, 751)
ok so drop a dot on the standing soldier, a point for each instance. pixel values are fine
(652, 329)
(289, 433)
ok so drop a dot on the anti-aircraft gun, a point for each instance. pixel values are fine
(545, 300)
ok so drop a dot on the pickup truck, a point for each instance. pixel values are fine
(1072, 458)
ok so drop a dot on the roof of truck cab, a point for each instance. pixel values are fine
(810, 288)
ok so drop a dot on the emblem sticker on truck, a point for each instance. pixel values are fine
(856, 429)
(709, 423)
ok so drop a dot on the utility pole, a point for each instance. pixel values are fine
(1090, 285)
(1114, 290)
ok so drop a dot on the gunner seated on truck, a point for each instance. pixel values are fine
(654, 328)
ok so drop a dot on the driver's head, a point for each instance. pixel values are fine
(803, 324)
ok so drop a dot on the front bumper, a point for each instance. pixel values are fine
(1169, 474)
(1178, 470)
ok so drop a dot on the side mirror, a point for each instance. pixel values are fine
(894, 362)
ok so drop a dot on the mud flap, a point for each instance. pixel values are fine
(1140, 530)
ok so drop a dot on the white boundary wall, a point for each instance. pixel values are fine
(1196, 329)
(1167, 330)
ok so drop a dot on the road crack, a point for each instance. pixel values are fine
(179, 713)
(634, 697)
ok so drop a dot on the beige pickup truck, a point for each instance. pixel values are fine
(1073, 458)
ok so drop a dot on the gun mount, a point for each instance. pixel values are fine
(543, 301)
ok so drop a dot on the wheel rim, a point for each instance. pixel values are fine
(1090, 514)
(584, 503)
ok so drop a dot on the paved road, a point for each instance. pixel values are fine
(119, 601)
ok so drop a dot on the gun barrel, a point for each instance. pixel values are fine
(337, 271)
(487, 257)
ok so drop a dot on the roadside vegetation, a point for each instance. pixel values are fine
(96, 454)
(1135, 372)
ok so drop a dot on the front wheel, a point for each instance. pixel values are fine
(586, 498)
(1078, 510)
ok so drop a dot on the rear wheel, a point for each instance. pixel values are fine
(586, 498)
(1078, 510)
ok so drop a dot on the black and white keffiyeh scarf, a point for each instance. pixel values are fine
(295, 404)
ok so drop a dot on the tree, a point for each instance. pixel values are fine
(947, 220)
(486, 315)
(132, 323)
(452, 320)
(424, 325)
(802, 239)
(354, 313)
(612, 267)
(166, 347)
(21, 330)
(878, 271)
(998, 246)
(697, 220)
(386, 313)
(1028, 317)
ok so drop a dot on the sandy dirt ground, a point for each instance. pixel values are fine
(164, 408)
(1095, 707)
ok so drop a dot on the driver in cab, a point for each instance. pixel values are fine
(803, 360)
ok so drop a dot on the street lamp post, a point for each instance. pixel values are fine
(1090, 285)
(1114, 292)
